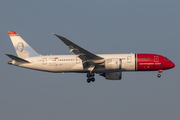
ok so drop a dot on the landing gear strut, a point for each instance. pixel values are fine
(90, 77)
(159, 75)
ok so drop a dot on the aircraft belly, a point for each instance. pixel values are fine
(51, 67)
(60, 67)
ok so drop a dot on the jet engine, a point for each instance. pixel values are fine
(113, 63)
(112, 76)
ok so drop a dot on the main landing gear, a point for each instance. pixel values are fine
(90, 77)
(159, 75)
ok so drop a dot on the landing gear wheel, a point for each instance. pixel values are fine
(92, 79)
(92, 74)
(88, 80)
(88, 75)
(159, 75)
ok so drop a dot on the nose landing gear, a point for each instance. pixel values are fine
(90, 77)
(159, 75)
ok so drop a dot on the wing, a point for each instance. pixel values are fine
(83, 54)
(89, 59)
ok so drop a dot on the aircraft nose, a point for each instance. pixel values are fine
(172, 65)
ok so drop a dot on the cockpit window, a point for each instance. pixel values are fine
(166, 59)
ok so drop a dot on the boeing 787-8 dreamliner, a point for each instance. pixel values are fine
(109, 66)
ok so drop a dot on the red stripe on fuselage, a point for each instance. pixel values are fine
(150, 62)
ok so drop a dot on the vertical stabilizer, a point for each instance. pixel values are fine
(22, 49)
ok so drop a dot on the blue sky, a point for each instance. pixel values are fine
(100, 26)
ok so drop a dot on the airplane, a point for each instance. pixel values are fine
(109, 66)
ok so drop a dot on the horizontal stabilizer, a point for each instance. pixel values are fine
(17, 59)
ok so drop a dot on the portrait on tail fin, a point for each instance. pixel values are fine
(21, 52)
(22, 48)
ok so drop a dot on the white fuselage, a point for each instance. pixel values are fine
(72, 63)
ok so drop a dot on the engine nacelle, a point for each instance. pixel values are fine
(112, 76)
(114, 63)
